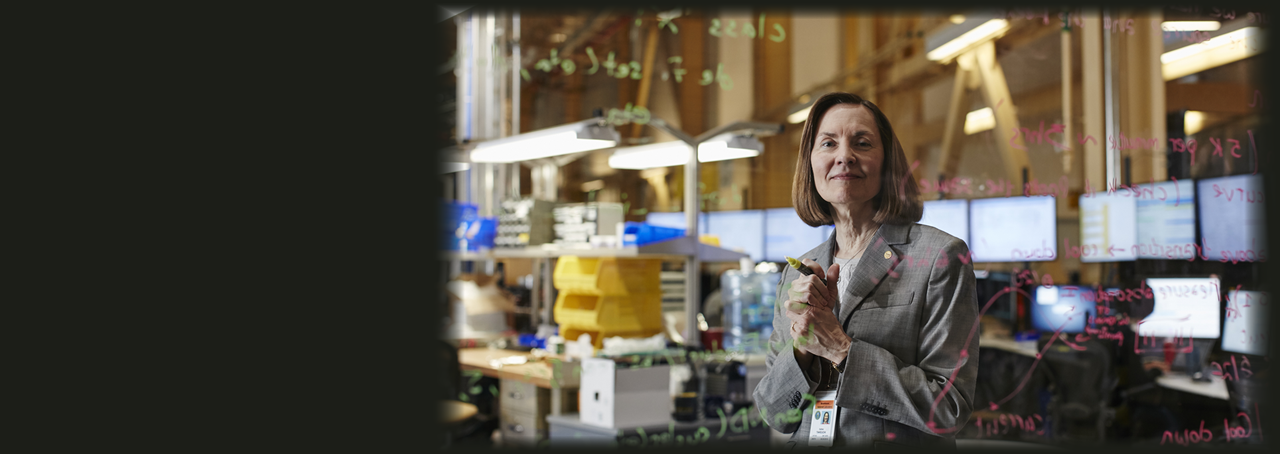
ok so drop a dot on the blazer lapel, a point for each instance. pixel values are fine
(879, 259)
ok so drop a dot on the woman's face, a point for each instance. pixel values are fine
(847, 155)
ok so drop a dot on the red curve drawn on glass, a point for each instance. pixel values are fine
(964, 354)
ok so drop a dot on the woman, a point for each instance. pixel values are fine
(888, 335)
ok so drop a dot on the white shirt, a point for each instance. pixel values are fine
(846, 276)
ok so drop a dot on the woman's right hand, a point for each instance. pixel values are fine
(809, 290)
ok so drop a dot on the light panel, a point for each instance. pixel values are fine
(799, 117)
(576, 137)
(1217, 51)
(979, 120)
(988, 30)
(662, 154)
(1190, 26)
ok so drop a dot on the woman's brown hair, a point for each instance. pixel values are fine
(897, 202)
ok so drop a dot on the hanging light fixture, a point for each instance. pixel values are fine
(675, 153)
(586, 135)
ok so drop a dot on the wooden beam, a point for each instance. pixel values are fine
(773, 170)
(1094, 153)
(1219, 97)
(642, 99)
(1140, 72)
(691, 99)
(953, 129)
(995, 93)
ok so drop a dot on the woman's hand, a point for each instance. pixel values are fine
(814, 328)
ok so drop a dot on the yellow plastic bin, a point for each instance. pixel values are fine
(607, 297)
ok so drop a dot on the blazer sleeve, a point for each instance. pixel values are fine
(781, 394)
(938, 391)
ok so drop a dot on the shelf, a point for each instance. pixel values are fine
(675, 248)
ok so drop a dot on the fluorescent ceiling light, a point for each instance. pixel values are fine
(800, 116)
(662, 154)
(728, 146)
(991, 29)
(979, 120)
(576, 137)
(1218, 51)
(1190, 26)
(451, 167)
(1193, 122)
(676, 153)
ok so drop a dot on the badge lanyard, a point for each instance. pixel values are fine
(822, 431)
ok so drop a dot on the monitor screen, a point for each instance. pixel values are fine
(1232, 222)
(1245, 327)
(951, 216)
(1184, 308)
(1013, 229)
(675, 220)
(787, 236)
(741, 231)
(1108, 227)
(1053, 308)
(1166, 220)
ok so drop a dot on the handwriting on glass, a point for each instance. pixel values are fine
(1002, 425)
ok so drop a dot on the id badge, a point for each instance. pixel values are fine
(822, 431)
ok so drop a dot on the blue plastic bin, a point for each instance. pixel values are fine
(639, 234)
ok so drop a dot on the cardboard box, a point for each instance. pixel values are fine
(616, 396)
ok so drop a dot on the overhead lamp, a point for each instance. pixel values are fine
(1190, 25)
(1217, 51)
(729, 146)
(451, 167)
(661, 154)
(586, 135)
(953, 40)
(979, 120)
(676, 153)
(799, 116)
(1192, 122)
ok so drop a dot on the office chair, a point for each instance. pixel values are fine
(999, 375)
(1082, 391)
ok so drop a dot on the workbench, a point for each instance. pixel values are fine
(529, 391)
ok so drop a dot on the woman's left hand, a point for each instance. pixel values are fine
(815, 328)
(818, 332)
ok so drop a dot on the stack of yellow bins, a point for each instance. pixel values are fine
(607, 297)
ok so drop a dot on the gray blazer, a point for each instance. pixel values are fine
(917, 320)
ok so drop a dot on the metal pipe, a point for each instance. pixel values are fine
(692, 263)
(1109, 98)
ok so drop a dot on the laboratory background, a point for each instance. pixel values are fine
(616, 210)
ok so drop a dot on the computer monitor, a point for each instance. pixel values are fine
(951, 216)
(1232, 221)
(785, 235)
(739, 230)
(1054, 307)
(1184, 308)
(1108, 227)
(1166, 220)
(1244, 329)
(1013, 229)
(675, 220)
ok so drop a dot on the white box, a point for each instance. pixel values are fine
(621, 397)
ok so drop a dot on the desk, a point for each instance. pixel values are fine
(1006, 345)
(569, 431)
(541, 373)
(1215, 388)
(524, 399)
